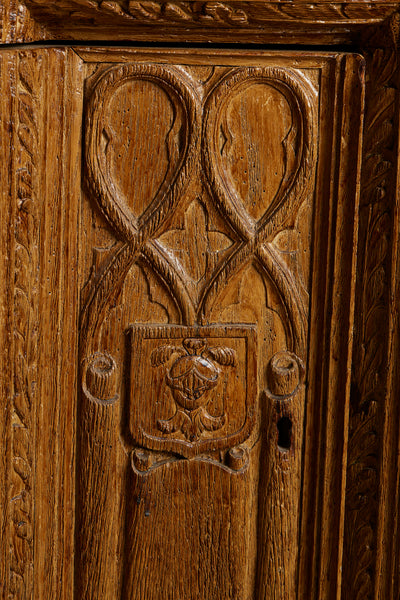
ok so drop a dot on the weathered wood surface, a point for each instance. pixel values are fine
(179, 279)
(201, 208)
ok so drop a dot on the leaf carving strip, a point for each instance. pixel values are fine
(185, 12)
(25, 330)
(372, 321)
(216, 14)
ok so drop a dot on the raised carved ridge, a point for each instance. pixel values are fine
(25, 330)
(137, 231)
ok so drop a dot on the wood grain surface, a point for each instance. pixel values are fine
(185, 413)
(212, 245)
(189, 430)
(249, 22)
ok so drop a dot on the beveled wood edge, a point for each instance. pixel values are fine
(196, 56)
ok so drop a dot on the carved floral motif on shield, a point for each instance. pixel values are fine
(192, 389)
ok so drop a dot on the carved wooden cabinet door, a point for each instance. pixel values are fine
(179, 287)
(204, 251)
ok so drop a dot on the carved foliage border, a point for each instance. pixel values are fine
(25, 328)
(237, 14)
(17, 25)
(370, 359)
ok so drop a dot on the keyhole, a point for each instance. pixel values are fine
(284, 434)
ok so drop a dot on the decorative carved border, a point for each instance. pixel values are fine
(17, 25)
(25, 330)
(370, 399)
(239, 14)
(183, 21)
(374, 304)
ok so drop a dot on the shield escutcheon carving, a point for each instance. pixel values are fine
(192, 389)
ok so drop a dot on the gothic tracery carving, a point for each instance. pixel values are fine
(198, 146)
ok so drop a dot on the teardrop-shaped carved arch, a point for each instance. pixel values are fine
(301, 97)
(131, 228)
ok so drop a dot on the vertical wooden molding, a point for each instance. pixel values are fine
(388, 584)
(366, 492)
(327, 415)
(39, 328)
(388, 541)
(7, 104)
(60, 145)
(25, 330)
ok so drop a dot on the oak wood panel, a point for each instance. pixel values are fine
(202, 192)
(139, 264)
(369, 552)
(41, 383)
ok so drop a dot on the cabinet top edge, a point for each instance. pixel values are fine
(321, 22)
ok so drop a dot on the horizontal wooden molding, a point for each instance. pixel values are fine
(254, 21)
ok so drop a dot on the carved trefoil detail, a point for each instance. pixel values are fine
(195, 152)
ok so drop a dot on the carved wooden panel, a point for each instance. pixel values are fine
(203, 238)
(179, 280)
(166, 348)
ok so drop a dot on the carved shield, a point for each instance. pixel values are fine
(192, 389)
